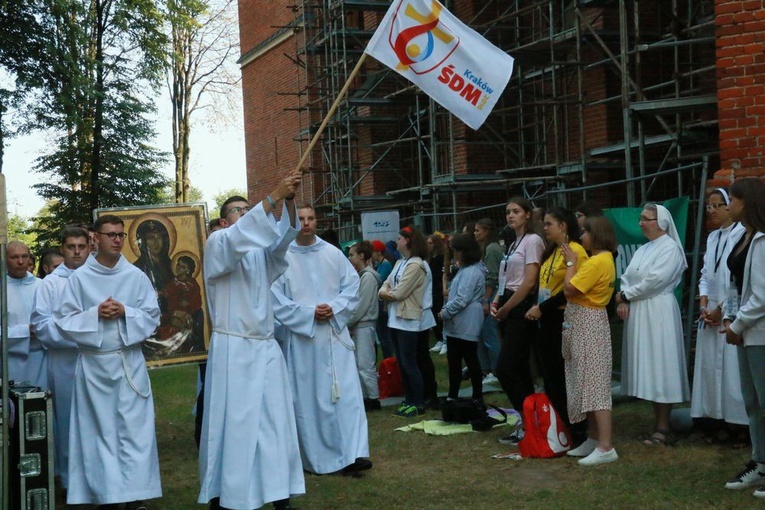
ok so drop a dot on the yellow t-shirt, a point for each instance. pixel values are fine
(553, 269)
(595, 280)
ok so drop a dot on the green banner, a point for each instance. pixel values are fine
(630, 237)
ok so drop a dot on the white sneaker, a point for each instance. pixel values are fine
(490, 379)
(752, 475)
(584, 449)
(442, 352)
(437, 347)
(759, 493)
(598, 457)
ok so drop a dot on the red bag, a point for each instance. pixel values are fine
(389, 379)
(545, 435)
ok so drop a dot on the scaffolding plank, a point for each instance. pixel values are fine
(663, 106)
(619, 147)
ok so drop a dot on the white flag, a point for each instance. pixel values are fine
(452, 63)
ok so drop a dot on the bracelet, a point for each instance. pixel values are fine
(271, 201)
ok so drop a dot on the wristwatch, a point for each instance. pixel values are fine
(569, 263)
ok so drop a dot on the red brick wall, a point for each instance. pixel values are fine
(269, 129)
(740, 30)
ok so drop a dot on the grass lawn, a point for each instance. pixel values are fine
(416, 471)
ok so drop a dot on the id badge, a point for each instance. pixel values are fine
(731, 303)
(544, 295)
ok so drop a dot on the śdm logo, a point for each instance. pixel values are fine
(415, 45)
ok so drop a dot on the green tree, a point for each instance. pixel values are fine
(221, 197)
(19, 229)
(203, 47)
(105, 55)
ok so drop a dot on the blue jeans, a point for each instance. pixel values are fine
(751, 363)
(405, 343)
(488, 345)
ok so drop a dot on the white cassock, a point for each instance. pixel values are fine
(248, 453)
(112, 440)
(26, 356)
(62, 360)
(716, 383)
(329, 407)
(653, 354)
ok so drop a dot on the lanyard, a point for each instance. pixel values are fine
(510, 252)
(551, 269)
(717, 247)
(400, 268)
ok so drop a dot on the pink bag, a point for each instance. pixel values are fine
(545, 435)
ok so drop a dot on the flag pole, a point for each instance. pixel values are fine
(331, 112)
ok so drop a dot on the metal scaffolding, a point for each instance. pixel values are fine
(603, 91)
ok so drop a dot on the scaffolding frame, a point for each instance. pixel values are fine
(645, 67)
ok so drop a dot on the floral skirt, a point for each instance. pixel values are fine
(586, 350)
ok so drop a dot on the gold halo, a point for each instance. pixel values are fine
(133, 236)
(192, 256)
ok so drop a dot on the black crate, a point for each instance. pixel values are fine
(31, 450)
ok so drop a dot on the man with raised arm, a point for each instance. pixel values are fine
(248, 453)
(62, 353)
(315, 299)
(108, 308)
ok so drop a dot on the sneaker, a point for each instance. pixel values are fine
(490, 379)
(584, 449)
(598, 457)
(442, 352)
(752, 475)
(513, 439)
(410, 412)
(437, 348)
(759, 493)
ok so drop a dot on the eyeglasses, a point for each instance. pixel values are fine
(113, 235)
(239, 210)
(713, 207)
(644, 220)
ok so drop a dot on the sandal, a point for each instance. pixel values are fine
(660, 437)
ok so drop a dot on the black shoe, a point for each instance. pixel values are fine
(111, 506)
(358, 466)
(283, 504)
(215, 504)
(372, 404)
(136, 505)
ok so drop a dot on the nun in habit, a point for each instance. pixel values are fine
(653, 354)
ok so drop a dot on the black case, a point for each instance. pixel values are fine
(31, 449)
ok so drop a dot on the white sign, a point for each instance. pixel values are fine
(380, 225)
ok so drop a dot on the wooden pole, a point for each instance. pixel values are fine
(330, 113)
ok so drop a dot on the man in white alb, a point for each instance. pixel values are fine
(314, 301)
(248, 452)
(108, 309)
(62, 353)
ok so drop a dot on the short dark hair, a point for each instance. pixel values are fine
(363, 248)
(189, 262)
(213, 223)
(602, 235)
(466, 244)
(110, 219)
(72, 231)
(230, 200)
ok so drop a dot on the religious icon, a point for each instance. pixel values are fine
(166, 243)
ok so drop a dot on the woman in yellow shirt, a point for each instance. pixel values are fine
(560, 227)
(587, 340)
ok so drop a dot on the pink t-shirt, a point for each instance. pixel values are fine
(525, 250)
